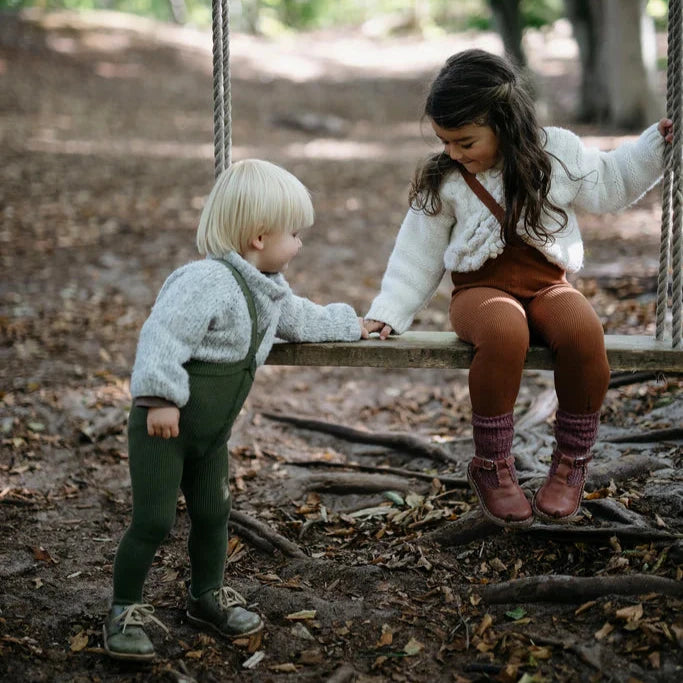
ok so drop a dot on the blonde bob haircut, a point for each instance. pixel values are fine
(251, 198)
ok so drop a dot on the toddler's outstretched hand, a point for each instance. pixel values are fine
(163, 422)
(378, 326)
(666, 129)
(364, 334)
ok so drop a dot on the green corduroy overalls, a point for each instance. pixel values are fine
(195, 462)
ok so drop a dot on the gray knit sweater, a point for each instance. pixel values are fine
(201, 314)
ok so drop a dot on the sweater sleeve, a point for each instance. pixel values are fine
(414, 270)
(177, 324)
(604, 182)
(303, 320)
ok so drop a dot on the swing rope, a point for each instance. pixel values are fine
(671, 240)
(222, 108)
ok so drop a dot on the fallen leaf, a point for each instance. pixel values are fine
(79, 641)
(516, 613)
(484, 624)
(538, 652)
(254, 660)
(413, 647)
(394, 497)
(289, 667)
(42, 555)
(498, 565)
(379, 661)
(584, 607)
(387, 636)
(311, 657)
(604, 631)
(632, 613)
(302, 615)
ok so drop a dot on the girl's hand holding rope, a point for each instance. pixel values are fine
(666, 130)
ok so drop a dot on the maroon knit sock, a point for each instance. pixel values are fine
(575, 434)
(492, 439)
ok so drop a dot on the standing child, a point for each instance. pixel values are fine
(509, 269)
(213, 323)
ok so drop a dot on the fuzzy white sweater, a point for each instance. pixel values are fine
(464, 235)
(201, 313)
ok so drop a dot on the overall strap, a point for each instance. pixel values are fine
(255, 337)
(484, 195)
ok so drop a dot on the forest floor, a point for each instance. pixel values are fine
(361, 574)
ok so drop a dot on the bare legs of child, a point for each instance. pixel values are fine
(499, 327)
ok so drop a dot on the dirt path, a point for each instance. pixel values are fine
(105, 141)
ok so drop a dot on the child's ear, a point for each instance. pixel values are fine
(257, 243)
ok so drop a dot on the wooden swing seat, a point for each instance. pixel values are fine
(418, 349)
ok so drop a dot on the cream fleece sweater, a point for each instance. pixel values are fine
(465, 234)
(201, 314)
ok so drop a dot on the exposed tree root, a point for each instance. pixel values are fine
(350, 482)
(626, 467)
(252, 537)
(474, 526)
(264, 532)
(455, 482)
(613, 511)
(396, 440)
(622, 379)
(653, 436)
(541, 409)
(575, 588)
(469, 527)
(625, 532)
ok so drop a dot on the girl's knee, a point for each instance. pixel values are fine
(504, 346)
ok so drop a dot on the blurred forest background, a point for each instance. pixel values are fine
(616, 38)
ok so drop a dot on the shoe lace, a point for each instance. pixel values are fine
(227, 597)
(138, 615)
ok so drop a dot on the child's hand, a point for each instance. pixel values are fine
(364, 334)
(666, 129)
(378, 326)
(163, 422)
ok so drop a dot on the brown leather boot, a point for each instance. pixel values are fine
(502, 499)
(559, 499)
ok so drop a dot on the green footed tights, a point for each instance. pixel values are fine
(195, 462)
(157, 472)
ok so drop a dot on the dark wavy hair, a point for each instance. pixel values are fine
(478, 87)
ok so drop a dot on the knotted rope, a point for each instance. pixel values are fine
(671, 239)
(222, 112)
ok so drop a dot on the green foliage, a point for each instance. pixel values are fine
(307, 14)
(537, 13)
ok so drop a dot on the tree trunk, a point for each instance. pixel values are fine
(631, 63)
(617, 50)
(508, 21)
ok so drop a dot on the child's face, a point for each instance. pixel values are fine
(475, 147)
(278, 249)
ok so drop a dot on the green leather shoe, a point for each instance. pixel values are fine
(222, 610)
(124, 637)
